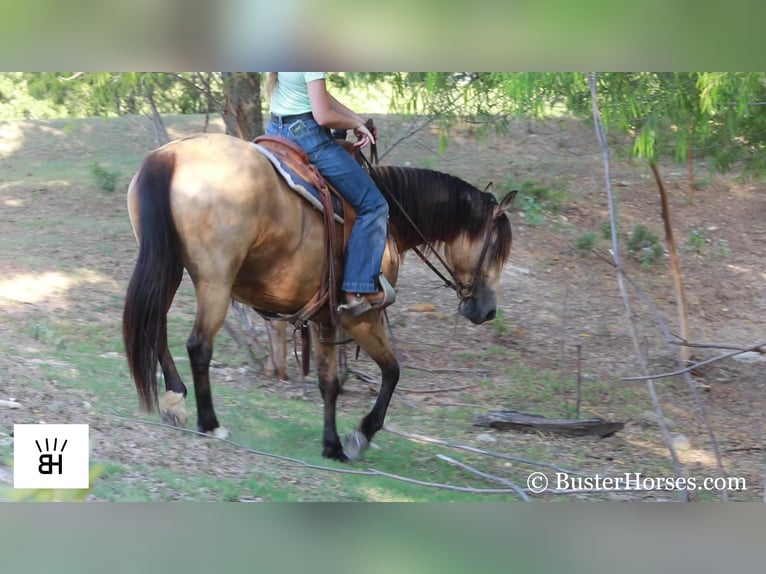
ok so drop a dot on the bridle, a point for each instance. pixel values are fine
(463, 290)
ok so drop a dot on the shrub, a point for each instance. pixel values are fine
(645, 245)
(585, 242)
(106, 179)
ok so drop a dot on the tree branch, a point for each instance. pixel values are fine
(695, 365)
(490, 477)
(430, 440)
(601, 136)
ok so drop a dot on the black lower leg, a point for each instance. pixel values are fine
(373, 422)
(173, 380)
(200, 353)
(331, 447)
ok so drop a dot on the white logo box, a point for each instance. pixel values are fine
(51, 456)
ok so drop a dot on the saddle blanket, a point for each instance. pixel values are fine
(302, 187)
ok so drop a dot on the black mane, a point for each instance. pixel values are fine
(442, 206)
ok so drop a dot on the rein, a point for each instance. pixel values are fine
(463, 290)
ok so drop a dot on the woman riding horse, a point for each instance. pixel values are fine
(303, 111)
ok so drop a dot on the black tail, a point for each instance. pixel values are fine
(155, 278)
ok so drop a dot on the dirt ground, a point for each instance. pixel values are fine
(555, 299)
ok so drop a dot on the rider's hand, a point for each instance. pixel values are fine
(364, 135)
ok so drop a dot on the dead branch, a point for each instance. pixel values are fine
(675, 265)
(431, 440)
(718, 346)
(413, 129)
(490, 477)
(370, 379)
(365, 377)
(429, 391)
(687, 378)
(468, 489)
(696, 365)
(236, 336)
(524, 422)
(601, 136)
(72, 77)
(448, 370)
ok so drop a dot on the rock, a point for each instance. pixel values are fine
(422, 308)
(750, 357)
(485, 437)
(681, 442)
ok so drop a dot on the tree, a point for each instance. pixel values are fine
(242, 109)
(235, 95)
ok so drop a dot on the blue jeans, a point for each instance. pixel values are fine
(368, 236)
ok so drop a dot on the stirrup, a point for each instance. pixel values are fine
(363, 303)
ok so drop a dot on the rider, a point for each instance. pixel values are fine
(303, 111)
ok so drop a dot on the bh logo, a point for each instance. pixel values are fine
(46, 458)
(51, 456)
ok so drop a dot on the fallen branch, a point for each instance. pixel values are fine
(448, 370)
(362, 376)
(444, 390)
(524, 422)
(367, 378)
(491, 477)
(431, 440)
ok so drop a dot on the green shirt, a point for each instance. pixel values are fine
(291, 95)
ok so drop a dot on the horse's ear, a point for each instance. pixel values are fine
(507, 201)
(488, 188)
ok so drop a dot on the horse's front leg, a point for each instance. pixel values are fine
(329, 387)
(369, 332)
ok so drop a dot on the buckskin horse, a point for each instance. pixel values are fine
(214, 205)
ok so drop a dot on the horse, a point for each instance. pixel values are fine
(214, 205)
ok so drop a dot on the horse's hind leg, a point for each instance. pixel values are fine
(212, 305)
(172, 403)
(369, 332)
(276, 364)
(329, 387)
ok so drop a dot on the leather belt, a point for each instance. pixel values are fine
(291, 119)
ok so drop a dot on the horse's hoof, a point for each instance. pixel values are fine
(173, 409)
(220, 432)
(354, 444)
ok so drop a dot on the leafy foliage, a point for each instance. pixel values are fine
(105, 178)
(645, 245)
(585, 242)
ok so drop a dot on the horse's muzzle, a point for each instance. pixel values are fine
(471, 309)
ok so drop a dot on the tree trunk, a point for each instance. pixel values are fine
(160, 133)
(242, 92)
(690, 165)
(675, 267)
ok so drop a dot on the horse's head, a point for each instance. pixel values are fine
(477, 261)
